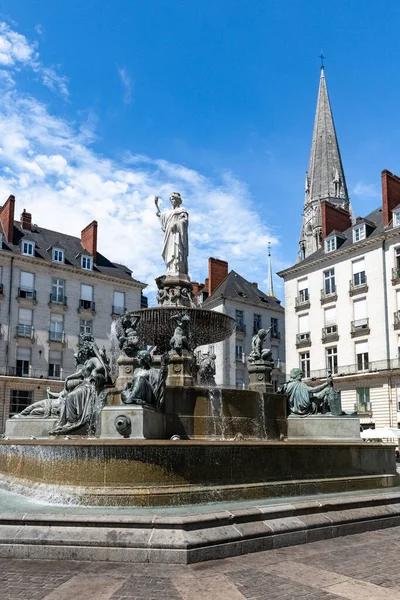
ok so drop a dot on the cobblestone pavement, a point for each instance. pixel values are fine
(358, 567)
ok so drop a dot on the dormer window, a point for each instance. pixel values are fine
(396, 218)
(330, 244)
(359, 233)
(87, 263)
(28, 248)
(58, 255)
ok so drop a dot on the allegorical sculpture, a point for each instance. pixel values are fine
(306, 400)
(258, 352)
(47, 408)
(127, 334)
(206, 372)
(175, 224)
(260, 363)
(148, 384)
(79, 404)
(180, 339)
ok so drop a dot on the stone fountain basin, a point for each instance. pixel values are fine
(205, 326)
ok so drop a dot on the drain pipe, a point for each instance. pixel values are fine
(385, 302)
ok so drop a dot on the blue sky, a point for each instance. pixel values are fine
(104, 103)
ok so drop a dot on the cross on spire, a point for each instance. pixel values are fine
(322, 59)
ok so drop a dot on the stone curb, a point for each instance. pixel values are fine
(193, 538)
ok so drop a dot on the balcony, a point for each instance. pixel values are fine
(395, 275)
(57, 336)
(25, 331)
(302, 302)
(241, 327)
(328, 296)
(396, 320)
(360, 327)
(58, 299)
(26, 294)
(87, 305)
(118, 310)
(353, 369)
(330, 334)
(303, 340)
(358, 288)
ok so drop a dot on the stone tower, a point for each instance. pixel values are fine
(325, 178)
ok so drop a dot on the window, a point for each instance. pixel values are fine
(256, 323)
(329, 282)
(303, 324)
(305, 363)
(56, 328)
(359, 277)
(239, 352)
(119, 303)
(303, 289)
(58, 291)
(86, 296)
(330, 244)
(24, 328)
(239, 316)
(240, 380)
(58, 255)
(332, 360)
(274, 328)
(28, 248)
(87, 263)
(363, 402)
(27, 285)
(86, 327)
(19, 399)
(55, 364)
(362, 355)
(359, 233)
(396, 218)
(23, 362)
(360, 312)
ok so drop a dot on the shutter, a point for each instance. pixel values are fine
(27, 280)
(360, 309)
(303, 324)
(23, 353)
(55, 357)
(398, 299)
(330, 316)
(119, 299)
(303, 284)
(358, 266)
(25, 316)
(362, 347)
(57, 318)
(87, 292)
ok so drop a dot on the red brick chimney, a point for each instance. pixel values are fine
(390, 195)
(89, 238)
(333, 218)
(7, 218)
(26, 220)
(217, 271)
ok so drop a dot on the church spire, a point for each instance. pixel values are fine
(325, 178)
(270, 289)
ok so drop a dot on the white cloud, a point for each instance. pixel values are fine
(50, 167)
(127, 84)
(366, 190)
(17, 52)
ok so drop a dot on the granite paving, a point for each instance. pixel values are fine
(357, 567)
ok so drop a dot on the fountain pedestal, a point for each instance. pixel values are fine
(174, 291)
(260, 376)
(126, 367)
(26, 427)
(180, 370)
(132, 421)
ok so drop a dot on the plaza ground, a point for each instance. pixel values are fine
(358, 567)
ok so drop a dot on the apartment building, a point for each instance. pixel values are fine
(53, 288)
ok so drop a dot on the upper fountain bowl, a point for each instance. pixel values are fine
(205, 326)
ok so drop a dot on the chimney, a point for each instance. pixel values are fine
(390, 195)
(333, 218)
(89, 238)
(7, 218)
(217, 271)
(26, 220)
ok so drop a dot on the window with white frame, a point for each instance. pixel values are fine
(55, 358)
(119, 303)
(58, 291)
(362, 355)
(332, 360)
(329, 282)
(86, 327)
(256, 322)
(58, 255)
(86, 296)
(304, 326)
(360, 312)
(239, 352)
(87, 263)
(397, 257)
(363, 401)
(305, 365)
(28, 248)
(302, 286)
(24, 327)
(330, 320)
(396, 217)
(56, 327)
(358, 267)
(398, 397)
(330, 244)
(23, 361)
(359, 233)
(27, 285)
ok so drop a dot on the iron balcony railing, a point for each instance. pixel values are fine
(395, 274)
(25, 331)
(58, 299)
(118, 310)
(56, 336)
(240, 327)
(28, 294)
(303, 339)
(360, 326)
(358, 285)
(363, 407)
(328, 295)
(87, 304)
(34, 373)
(330, 333)
(396, 321)
(353, 369)
(302, 302)
(275, 335)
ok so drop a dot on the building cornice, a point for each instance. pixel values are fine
(243, 302)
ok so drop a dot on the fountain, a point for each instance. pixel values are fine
(154, 436)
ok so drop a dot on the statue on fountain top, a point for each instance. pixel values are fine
(127, 334)
(180, 338)
(176, 244)
(258, 352)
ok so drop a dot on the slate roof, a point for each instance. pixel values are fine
(46, 239)
(238, 288)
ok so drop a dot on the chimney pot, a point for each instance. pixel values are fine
(26, 220)
(7, 218)
(89, 238)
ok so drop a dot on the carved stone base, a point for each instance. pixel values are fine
(260, 376)
(26, 427)
(137, 422)
(126, 367)
(174, 291)
(180, 370)
(324, 427)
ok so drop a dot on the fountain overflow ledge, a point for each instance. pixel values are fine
(193, 538)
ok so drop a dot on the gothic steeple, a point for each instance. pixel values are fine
(325, 178)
